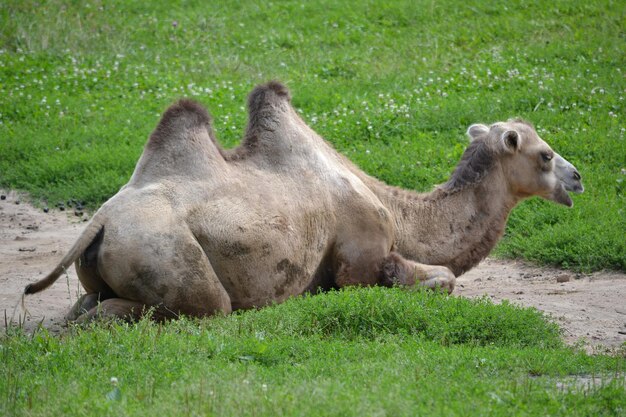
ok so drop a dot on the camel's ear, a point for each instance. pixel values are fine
(476, 130)
(511, 140)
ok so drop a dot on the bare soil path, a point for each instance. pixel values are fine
(589, 307)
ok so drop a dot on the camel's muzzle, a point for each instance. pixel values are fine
(568, 175)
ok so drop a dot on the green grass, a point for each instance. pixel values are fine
(359, 352)
(392, 85)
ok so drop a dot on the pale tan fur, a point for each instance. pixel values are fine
(199, 230)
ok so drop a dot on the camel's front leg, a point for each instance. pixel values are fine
(397, 270)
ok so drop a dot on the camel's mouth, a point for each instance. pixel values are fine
(561, 193)
(561, 196)
(569, 180)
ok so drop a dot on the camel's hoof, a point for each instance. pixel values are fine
(440, 278)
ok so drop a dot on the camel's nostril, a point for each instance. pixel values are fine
(577, 176)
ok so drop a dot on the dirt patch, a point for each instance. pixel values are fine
(31, 243)
(589, 307)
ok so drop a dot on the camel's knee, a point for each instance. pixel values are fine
(395, 270)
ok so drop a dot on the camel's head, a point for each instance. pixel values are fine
(529, 164)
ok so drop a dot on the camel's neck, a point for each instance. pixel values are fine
(456, 229)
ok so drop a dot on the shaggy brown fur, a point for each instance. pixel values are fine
(475, 163)
(199, 230)
(263, 103)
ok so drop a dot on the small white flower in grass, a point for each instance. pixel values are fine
(264, 387)
(115, 394)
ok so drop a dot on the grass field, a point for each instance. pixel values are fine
(361, 352)
(392, 85)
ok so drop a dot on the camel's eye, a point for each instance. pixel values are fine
(547, 156)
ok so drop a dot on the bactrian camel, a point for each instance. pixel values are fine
(199, 229)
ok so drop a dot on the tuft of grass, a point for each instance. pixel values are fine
(369, 313)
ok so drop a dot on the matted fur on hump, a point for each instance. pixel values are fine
(266, 93)
(181, 116)
(265, 103)
(475, 163)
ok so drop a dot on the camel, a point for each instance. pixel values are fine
(200, 230)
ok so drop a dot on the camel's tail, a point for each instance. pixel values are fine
(83, 242)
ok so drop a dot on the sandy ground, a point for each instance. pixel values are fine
(590, 308)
